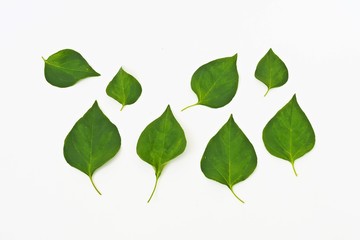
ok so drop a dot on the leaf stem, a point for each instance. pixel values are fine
(236, 195)
(293, 167)
(122, 107)
(43, 58)
(267, 92)
(153, 191)
(190, 106)
(92, 182)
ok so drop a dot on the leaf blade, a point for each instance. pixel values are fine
(215, 83)
(92, 142)
(229, 157)
(160, 142)
(271, 71)
(124, 88)
(289, 135)
(66, 67)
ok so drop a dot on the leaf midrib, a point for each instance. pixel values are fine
(68, 69)
(210, 89)
(91, 146)
(164, 125)
(270, 71)
(229, 157)
(291, 130)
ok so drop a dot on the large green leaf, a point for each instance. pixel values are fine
(67, 67)
(92, 142)
(289, 134)
(272, 71)
(161, 141)
(124, 88)
(216, 82)
(229, 157)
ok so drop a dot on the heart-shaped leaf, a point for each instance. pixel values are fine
(124, 88)
(67, 67)
(272, 71)
(161, 141)
(229, 157)
(92, 142)
(289, 134)
(216, 82)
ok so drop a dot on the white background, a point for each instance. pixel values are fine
(162, 43)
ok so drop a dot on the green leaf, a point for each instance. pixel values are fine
(229, 157)
(289, 134)
(124, 88)
(271, 70)
(216, 82)
(161, 141)
(92, 142)
(67, 67)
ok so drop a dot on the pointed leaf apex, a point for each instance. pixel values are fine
(96, 104)
(231, 119)
(168, 110)
(294, 98)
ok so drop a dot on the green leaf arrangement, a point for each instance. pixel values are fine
(161, 141)
(229, 157)
(67, 67)
(216, 82)
(92, 142)
(289, 134)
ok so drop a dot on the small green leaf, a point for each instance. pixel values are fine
(216, 82)
(92, 142)
(67, 67)
(289, 134)
(229, 157)
(124, 88)
(161, 141)
(271, 70)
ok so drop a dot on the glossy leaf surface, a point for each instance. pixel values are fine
(124, 88)
(92, 142)
(67, 67)
(216, 82)
(229, 157)
(289, 134)
(272, 71)
(161, 141)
